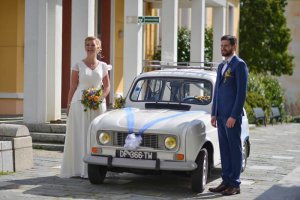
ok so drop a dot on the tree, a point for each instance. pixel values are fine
(208, 54)
(183, 44)
(264, 37)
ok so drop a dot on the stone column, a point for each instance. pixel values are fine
(169, 26)
(219, 20)
(197, 31)
(42, 63)
(133, 41)
(54, 60)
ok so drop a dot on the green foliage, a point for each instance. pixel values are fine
(208, 50)
(119, 102)
(157, 53)
(253, 100)
(273, 91)
(264, 37)
(184, 43)
(5, 173)
(265, 92)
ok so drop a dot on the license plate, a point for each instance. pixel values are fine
(144, 155)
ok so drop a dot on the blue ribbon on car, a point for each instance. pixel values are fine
(130, 120)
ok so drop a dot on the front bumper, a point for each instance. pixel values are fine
(140, 164)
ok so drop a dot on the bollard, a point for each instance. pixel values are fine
(21, 145)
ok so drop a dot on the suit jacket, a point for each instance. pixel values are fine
(230, 89)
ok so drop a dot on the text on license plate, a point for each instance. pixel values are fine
(136, 154)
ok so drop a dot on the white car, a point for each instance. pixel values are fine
(165, 126)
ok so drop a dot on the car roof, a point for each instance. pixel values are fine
(182, 73)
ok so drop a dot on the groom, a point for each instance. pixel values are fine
(227, 111)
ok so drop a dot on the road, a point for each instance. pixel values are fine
(273, 172)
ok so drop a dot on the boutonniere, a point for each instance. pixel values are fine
(227, 74)
(91, 98)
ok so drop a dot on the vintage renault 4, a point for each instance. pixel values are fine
(164, 126)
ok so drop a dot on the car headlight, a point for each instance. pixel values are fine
(104, 138)
(170, 142)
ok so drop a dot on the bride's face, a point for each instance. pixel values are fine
(91, 47)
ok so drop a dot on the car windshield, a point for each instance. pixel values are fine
(176, 90)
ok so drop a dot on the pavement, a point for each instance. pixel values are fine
(272, 173)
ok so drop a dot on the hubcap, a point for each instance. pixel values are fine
(244, 155)
(205, 169)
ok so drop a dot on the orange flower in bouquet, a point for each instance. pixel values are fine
(91, 98)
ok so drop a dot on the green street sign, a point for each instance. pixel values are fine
(148, 20)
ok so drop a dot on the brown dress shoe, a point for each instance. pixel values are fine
(220, 188)
(231, 191)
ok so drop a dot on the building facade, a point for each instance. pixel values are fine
(291, 83)
(46, 38)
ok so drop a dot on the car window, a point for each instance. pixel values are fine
(180, 90)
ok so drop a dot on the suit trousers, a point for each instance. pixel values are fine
(230, 150)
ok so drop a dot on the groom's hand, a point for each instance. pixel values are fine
(213, 121)
(230, 122)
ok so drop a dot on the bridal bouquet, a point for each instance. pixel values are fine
(91, 98)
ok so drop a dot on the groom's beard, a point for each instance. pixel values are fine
(227, 53)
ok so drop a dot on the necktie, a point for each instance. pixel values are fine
(225, 64)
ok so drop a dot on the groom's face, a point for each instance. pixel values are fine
(226, 48)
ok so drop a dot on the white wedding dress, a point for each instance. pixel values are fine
(78, 121)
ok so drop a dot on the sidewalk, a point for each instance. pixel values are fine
(42, 182)
(275, 146)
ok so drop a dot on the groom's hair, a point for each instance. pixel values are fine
(232, 39)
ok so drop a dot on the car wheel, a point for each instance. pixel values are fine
(200, 174)
(245, 150)
(96, 173)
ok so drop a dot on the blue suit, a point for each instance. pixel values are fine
(229, 98)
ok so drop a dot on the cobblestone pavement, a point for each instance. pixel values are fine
(273, 172)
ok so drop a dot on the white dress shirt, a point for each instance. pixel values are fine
(227, 61)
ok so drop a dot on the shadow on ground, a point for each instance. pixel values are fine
(115, 185)
(279, 192)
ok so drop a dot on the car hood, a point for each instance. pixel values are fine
(149, 120)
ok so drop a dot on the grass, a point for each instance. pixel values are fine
(5, 173)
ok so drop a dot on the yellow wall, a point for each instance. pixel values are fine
(150, 33)
(209, 16)
(119, 46)
(12, 15)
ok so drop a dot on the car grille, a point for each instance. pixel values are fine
(148, 140)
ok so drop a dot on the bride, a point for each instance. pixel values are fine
(86, 74)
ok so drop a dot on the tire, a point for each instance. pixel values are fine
(96, 173)
(200, 174)
(245, 153)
